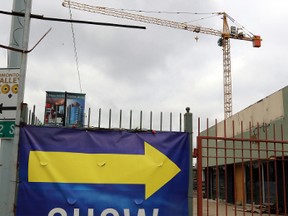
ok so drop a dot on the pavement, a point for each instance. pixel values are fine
(212, 208)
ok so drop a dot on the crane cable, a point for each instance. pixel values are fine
(211, 15)
(164, 12)
(237, 23)
(75, 48)
(172, 12)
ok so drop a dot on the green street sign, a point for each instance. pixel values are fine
(7, 129)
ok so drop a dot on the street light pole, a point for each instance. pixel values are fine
(20, 29)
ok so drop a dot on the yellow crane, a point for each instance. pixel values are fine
(225, 35)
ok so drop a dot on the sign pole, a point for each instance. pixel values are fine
(9, 148)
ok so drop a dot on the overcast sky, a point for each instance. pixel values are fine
(157, 69)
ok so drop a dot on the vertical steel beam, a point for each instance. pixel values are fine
(180, 122)
(171, 120)
(199, 178)
(65, 110)
(29, 117)
(110, 118)
(188, 127)
(33, 116)
(120, 119)
(268, 200)
(283, 171)
(99, 118)
(141, 119)
(217, 171)
(151, 120)
(260, 170)
(131, 119)
(24, 113)
(276, 170)
(244, 198)
(161, 121)
(208, 183)
(89, 117)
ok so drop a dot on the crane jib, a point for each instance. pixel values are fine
(225, 35)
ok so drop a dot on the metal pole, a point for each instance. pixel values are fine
(33, 116)
(188, 127)
(65, 110)
(120, 119)
(89, 116)
(9, 148)
(16, 35)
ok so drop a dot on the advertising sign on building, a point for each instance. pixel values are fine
(64, 108)
(72, 172)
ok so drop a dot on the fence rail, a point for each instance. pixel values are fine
(247, 171)
(121, 119)
(136, 120)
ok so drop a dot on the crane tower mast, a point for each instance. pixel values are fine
(225, 35)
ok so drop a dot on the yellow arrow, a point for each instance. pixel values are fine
(154, 169)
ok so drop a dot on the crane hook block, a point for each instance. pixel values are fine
(257, 41)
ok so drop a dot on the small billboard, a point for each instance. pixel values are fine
(64, 109)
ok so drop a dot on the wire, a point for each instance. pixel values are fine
(202, 18)
(75, 48)
(41, 17)
(212, 14)
(237, 23)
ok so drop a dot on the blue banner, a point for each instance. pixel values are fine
(73, 172)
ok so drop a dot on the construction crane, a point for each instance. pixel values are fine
(225, 35)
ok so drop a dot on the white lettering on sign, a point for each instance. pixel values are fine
(141, 212)
(1, 130)
(106, 212)
(109, 211)
(77, 212)
(12, 129)
(58, 211)
(9, 130)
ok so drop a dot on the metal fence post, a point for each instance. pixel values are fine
(188, 127)
(24, 113)
(33, 116)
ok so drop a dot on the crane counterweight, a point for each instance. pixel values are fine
(257, 41)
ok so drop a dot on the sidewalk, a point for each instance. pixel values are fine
(210, 208)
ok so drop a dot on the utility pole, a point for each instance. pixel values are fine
(19, 38)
